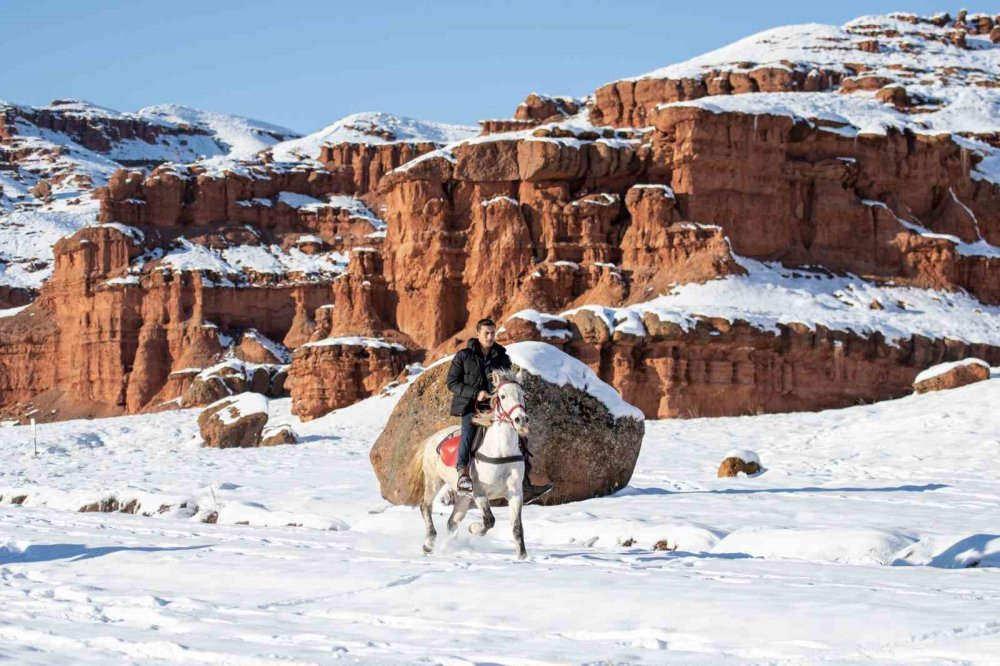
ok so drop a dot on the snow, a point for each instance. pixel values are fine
(559, 368)
(942, 368)
(356, 208)
(865, 527)
(666, 189)
(770, 295)
(744, 455)
(293, 200)
(237, 406)
(27, 236)
(371, 128)
(953, 87)
(29, 226)
(241, 137)
(10, 312)
(356, 341)
(236, 260)
(277, 350)
(135, 234)
(497, 199)
(540, 319)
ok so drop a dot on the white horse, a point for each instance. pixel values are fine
(497, 467)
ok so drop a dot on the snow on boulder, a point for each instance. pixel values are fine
(584, 437)
(951, 375)
(739, 460)
(231, 377)
(255, 347)
(236, 421)
(282, 434)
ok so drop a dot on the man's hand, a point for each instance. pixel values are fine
(482, 396)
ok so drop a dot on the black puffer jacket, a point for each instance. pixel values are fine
(470, 373)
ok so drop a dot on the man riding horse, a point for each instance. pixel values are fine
(470, 379)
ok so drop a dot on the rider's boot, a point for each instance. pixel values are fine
(532, 492)
(464, 485)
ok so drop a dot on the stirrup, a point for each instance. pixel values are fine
(464, 484)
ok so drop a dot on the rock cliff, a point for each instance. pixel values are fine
(804, 219)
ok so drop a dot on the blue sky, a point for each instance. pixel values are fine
(305, 64)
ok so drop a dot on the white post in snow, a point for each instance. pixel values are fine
(34, 435)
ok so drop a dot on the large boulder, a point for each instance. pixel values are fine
(951, 375)
(584, 437)
(236, 421)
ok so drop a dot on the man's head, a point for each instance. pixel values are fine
(486, 331)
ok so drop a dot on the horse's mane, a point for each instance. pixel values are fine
(507, 376)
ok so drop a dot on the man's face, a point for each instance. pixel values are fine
(486, 336)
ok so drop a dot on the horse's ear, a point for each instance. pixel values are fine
(496, 378)
(520, 377)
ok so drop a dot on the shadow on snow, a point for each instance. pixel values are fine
(76, 552)
(628, 491)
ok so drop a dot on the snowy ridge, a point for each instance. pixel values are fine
(356, 341)
(30, 225)
(815, 45)
(265, 260)
(770, 295)
(372, 128)
(953, 88)
(241, 137)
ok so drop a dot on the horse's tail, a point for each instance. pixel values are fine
(415, 474)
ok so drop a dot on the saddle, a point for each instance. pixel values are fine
(447, 448)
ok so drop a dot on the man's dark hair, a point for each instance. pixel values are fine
(485, 322)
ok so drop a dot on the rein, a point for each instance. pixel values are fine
(500, 415)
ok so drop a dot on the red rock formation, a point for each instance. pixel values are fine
(952, 375)
(337, 372)
(363, 166)
(549, 217)
(722, 368)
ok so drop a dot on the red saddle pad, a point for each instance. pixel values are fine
(448, 449)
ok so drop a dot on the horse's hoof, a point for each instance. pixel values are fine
(428, 549)
(477, 529)
(522, 555)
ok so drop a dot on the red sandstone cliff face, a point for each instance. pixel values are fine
(723, 368)
(550, 212)
(412, 243)
(336, 372)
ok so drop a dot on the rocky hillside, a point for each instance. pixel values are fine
(52, 157)
(804, 219)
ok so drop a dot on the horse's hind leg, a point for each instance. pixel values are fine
(483, 504)
(458, 511)
(431, 487)
(515, 504)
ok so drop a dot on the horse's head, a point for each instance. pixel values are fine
(509, 395)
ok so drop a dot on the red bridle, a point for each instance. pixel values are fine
(499, 413)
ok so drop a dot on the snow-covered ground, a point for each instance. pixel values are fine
(853, 546)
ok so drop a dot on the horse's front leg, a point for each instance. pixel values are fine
(458, 511)
(515, 503)
(483, 504)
